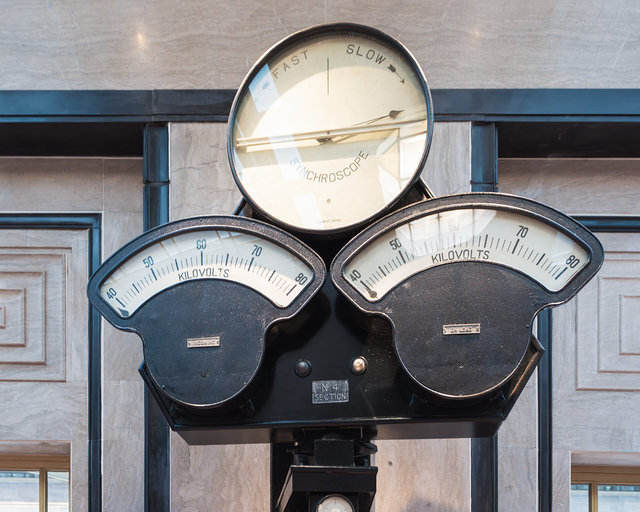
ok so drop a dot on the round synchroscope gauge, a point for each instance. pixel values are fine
(202, 293)
(474, 269)
(330, 128)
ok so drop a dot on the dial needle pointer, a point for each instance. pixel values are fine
(327, 135)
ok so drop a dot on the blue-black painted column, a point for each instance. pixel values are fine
(484, 451)
(545, 478)
(157, 454)
(95, 377)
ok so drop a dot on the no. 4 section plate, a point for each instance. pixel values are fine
(202, 293)
(461, 279)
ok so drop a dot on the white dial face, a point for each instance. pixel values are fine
(523, 243)
(206, 254)
(334, 504)
(330, 131)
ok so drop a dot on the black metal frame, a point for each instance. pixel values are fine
(545, 414)
(157, 445)
(93, 224)
(484, 451)
(527, 121)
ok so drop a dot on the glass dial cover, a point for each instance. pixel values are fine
(330, 127)
(534, 248)
(245, 258)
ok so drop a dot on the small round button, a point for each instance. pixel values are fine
(359, 365)
(302, 367)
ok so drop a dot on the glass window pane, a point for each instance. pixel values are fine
(579, 497)
(19, 491)
(58, 491)
(618, 498)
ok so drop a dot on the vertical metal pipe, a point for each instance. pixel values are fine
(95, 376)
(484, 451)
(545, 476)
(157, 454)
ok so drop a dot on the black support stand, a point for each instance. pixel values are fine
(321, 464)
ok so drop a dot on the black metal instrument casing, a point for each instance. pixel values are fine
(216, 378)
(396, 396)
(499, 299)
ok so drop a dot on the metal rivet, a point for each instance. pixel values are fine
(302, 367)
(359, 365)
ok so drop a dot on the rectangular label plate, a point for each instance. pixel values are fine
(329, 391)
(460, 329)
(211, 341)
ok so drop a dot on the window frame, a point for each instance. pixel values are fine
(603, 475)
(43, 464)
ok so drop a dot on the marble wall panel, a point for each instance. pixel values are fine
(607, 311)
(420, 475)
(124, 351)
(517, 478)
(201, 179)
(123, 445)
(33, 411)
(518, 453)
(449, 161)
(16, 286)
(37, 264)
(123, 388)
(51, 184)
(520, 430)
(55, 413)
(122, 475)
(561, 490)
(122, 191)
(575, 186)
(34, 448)
(219, 477)
(73, 44)
(605, 459)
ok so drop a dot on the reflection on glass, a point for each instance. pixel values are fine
(338, 122)
(579, 497)
(19, 491)
(58, 491)
(618, 498)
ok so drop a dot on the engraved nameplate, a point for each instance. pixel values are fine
(212, 341)
(460, 329)
(329, 391)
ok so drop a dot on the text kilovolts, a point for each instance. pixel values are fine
(460, 254)
(199, 273)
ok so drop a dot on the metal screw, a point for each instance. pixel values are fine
(302, 367)
(359, 365)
